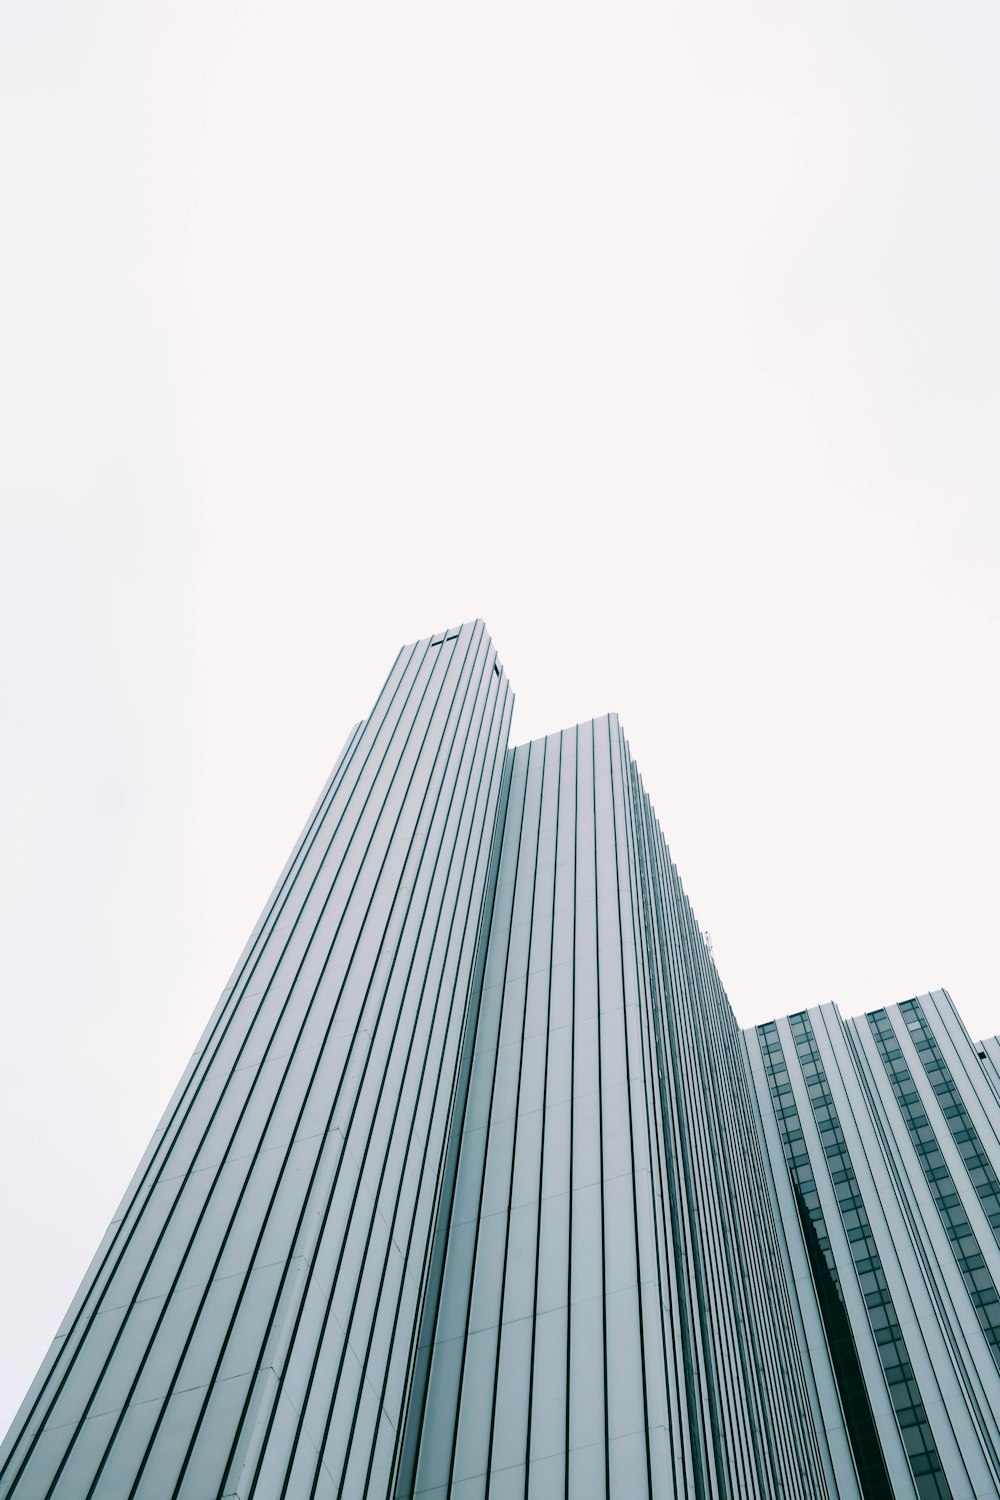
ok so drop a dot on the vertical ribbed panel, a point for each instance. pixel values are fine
(462, 1193)
(751, 1430)
(891, 1192)
(249, 1324)
(473, 1188)
(613, 1318)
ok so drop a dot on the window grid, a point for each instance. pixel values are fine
(859, 1419)
(911, 1417)
(978, 1281)
(978, 1165)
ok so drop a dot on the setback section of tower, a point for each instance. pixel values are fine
(608, 1315)
(249, 1324)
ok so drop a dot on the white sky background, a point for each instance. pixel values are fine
(664, 337)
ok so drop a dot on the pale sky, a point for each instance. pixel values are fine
(663, 336)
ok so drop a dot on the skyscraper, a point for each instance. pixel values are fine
(881, 1135)
(473, 1187)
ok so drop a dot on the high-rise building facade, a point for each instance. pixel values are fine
(610, 1315)
(473, 1186)
(881, 1135)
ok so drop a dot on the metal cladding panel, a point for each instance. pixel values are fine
(613, 1318)
(249, 1324)
(890, 1195)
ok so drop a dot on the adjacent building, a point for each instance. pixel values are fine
(473, 1186)
(881, 1136)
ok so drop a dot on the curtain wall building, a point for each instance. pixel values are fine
(473, 1186)
(881, 1140)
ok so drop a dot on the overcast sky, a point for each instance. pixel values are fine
(663, 336)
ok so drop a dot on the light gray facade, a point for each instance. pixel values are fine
(474, 1188)
(247, 1327)
(612, 1316)
(881, 1134)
